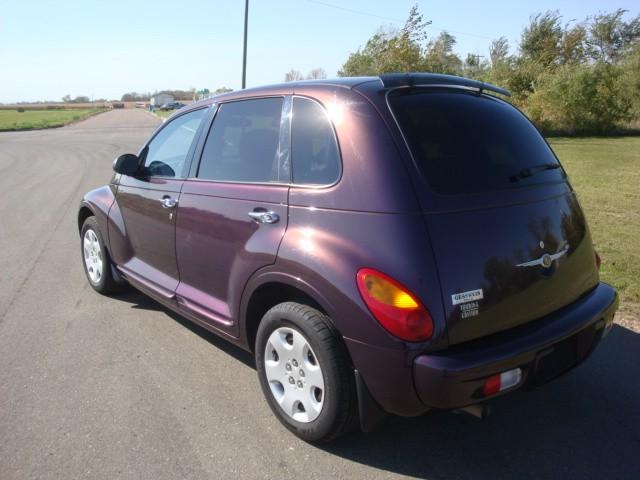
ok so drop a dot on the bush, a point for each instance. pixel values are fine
(20, 110)
(582, 99)
(631, 78)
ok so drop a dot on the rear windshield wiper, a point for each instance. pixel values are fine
(528, 172)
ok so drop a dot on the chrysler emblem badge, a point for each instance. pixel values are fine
(546, 260)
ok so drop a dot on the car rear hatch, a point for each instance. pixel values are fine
(510, 240)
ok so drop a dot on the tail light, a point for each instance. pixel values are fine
(598, 260)
(501, 381)
(394, 306)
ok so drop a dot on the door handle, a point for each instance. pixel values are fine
(264, 216)
(168, 202)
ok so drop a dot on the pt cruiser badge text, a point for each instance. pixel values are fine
(468, 302)
(464, 297)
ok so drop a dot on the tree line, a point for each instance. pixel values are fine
(569, 78)
(176, 94)
(294, 75)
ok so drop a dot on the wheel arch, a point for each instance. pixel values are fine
(97, 203)
(84, 212)
(266, 290)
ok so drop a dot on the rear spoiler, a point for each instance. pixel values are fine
(394, 80)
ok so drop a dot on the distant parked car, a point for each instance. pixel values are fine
(172, 106)
(141, 105)
(395, 244)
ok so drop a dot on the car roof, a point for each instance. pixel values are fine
(385, 81)
(287, 87)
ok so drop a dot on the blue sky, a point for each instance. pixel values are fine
(104, 49)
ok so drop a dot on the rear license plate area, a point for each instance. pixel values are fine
(557, 359)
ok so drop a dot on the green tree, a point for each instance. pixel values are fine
(499, 51)
(631, 78)
(476, 67)
(440, 57)
(390, 50)
(573, 45)
(610, 36)
(569, 77)
(541, 39)
(521, 78)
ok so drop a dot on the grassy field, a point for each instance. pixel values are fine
(162, 113)
(605, 172)
(35, 119)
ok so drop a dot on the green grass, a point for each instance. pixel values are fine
(36, 119)
(162, 113)
(605, 172)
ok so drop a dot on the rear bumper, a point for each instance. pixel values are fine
(543, 350)
(405, 384)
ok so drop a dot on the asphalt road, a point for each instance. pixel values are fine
(97, 387)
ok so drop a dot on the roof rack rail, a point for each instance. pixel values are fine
(391, 80)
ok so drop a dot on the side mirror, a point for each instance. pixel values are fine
(127, 164)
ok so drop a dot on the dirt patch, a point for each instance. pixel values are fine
(629, 317)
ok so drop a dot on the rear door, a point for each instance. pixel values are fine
(147, 203)
(233, 211)
(510, 240)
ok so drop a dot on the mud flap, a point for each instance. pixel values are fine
(117, 277)
(370, 413)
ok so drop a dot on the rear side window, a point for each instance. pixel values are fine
(242, 145)
(314, 152)
(464, 142)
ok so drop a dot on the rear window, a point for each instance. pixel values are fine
(464, 142)
(242, 145)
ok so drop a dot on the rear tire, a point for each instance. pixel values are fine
(305, 373)
(95, 258)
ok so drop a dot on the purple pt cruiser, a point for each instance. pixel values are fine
(391, 244)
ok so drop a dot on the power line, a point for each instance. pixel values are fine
(359, 12)
(368, 14)
(458, 32)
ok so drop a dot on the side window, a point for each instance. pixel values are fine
(314, 151)
(242, 145)
(167, 152)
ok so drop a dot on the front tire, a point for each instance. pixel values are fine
(305, 372)
(95, 258)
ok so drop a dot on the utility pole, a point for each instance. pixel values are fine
(244, 54)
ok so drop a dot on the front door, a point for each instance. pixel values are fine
(148, 203)
(233, 214)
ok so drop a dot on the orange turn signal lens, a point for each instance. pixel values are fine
(394, 306)
(387, 292)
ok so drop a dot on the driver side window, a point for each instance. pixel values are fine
(167, 152)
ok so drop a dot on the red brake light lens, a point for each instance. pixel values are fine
(491, 385)
(394, 306)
